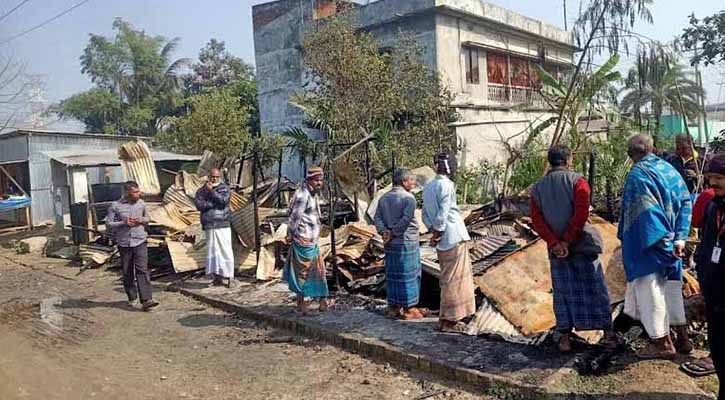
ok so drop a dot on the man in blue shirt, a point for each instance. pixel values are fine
(395, 221)
(442, 216)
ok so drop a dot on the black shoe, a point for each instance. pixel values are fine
(148, 305)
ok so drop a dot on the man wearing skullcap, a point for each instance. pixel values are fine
(305, 269)
(653, 227)
(442, 216)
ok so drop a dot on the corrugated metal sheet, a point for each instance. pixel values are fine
(187, 257)
(179, 198)
(170, 216)
(82, 158)
(499, 255)
(191, 183)
(243, 218)
(489, 321)
(484, 247)
(13, 149)
(528, 304)
(138, 166)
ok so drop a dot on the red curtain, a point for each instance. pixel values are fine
(520, 72)
(497, 68)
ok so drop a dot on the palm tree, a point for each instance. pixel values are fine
(657, 82)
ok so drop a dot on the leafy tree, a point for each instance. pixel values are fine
(135, 69)
(98, 108)
(215, 122)
(217, 68)
(657, 82)
(603, 24)
(708, 37)
(358, 92)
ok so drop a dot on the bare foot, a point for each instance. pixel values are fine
(326, 304)
(565, 343)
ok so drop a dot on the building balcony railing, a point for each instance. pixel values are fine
(510, 96)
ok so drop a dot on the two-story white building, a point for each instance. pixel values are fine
(487, 56)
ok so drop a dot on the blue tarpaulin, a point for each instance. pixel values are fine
(14, 203)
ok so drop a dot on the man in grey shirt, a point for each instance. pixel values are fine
(395, 221)
(127, 219)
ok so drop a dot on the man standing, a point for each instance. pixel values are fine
(653, 227)
(685, 160)
(395, 221)
(560, 211)
(305, 270)
(127, 219)
(711, 268)
(443, 218)
(212, 200)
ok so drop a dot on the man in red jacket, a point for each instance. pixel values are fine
(560, 211)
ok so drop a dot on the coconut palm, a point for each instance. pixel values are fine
(656, 83)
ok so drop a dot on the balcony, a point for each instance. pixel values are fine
(511, 96)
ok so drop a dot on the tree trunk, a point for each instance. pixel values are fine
(577, 72)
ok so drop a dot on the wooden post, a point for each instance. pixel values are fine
(332, 189)
(279, 178)
(256, 207)
(241, 166)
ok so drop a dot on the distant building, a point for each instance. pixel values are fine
(485, 54)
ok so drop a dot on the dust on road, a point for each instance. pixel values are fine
(70, 336)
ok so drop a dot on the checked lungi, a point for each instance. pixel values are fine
(305, 271)
(581, 299)
(403, 273)
(458, 300)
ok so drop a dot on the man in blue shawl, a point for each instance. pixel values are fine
(395, 221)
(654, 225)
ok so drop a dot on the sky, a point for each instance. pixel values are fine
(53, 51)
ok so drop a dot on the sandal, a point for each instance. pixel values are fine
(457, 327)
(651, 352)
(699, 368)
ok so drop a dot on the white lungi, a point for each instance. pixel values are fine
(219, 256)
(657, 302)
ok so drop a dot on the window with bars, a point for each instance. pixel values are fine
(473, 76)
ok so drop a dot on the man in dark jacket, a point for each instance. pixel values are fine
(212, 200)
(685, 161)
(711, 267)
(560, 210)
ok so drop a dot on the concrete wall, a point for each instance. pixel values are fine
(503, 16)
(278, 30)
(481, 131)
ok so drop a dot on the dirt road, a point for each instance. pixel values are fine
(70, 336)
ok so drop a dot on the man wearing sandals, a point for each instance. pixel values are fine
(395, 221)
(711, 267)
(443, 218)
(654, 225)
(560, 211)
(305, 269)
